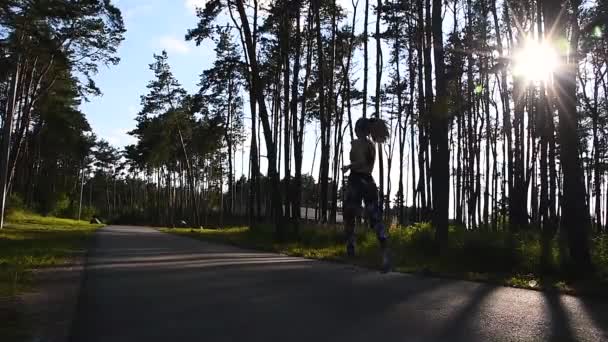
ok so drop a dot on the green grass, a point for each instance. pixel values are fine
(30, 241)
(495, 257)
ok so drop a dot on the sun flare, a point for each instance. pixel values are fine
(535, 62)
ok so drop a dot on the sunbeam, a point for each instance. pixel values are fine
(535, 62)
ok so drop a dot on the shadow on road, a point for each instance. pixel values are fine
(464, 324)
(561, 329)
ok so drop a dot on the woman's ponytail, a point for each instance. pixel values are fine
(374, 127)
(378, 130)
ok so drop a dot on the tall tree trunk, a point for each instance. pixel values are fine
(429, 97)
(506, 121)
(414, 211)
(296, 198)
(324, 117)
(544, 115)
(424, 93)
(190, 174)
(575, 213)
(365, 57)
(300, 140)
(6, 138)
(336, 164)
(459, 158)
(486, 102)
(332, 106)
(518, 217)
(471, 125)
(421, 108)
(402, 124)
(553, 184)
(378, 97)
(597, 173)
(495, 176)
(229, 144)
(439, 136)
(254, 166)
(286, 71)
(347, 81)
(257, 89)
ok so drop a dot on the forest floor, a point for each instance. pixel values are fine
(35, 252)
(491, 257)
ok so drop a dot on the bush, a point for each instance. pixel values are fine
(16, 215)
(599, 253)
(15, 202)
(422, 238)
(475, 251)
(87, 213)
(131, 217)
(416, 240)
(487, 252)
(56, 204)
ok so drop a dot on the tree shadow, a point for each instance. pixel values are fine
(561, 328)
(462, 326)
(596, 309)
(557, 320)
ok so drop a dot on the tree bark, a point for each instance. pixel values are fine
(439, 137)
(575, 213)
(297, 148)
(379, 63)
(6, 138)
(286, 140)
(324, 117)
(257, 89)
(365, 57)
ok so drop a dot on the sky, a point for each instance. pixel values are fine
(152, 25)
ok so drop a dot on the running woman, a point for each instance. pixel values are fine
(361, 185)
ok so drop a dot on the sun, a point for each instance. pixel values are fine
(535, 62)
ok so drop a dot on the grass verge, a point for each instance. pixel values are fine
(517, 260)
(29, 241)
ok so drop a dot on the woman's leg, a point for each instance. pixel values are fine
(352, 205)
(374, 214)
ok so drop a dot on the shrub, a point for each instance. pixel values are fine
(487, 251)
(15, 202)
(131, 217)
(56, 204)
(87, 213)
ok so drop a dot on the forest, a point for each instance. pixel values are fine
(498, 112)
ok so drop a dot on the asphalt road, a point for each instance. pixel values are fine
(143, 285)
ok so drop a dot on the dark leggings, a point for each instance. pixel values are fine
(361, 187)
